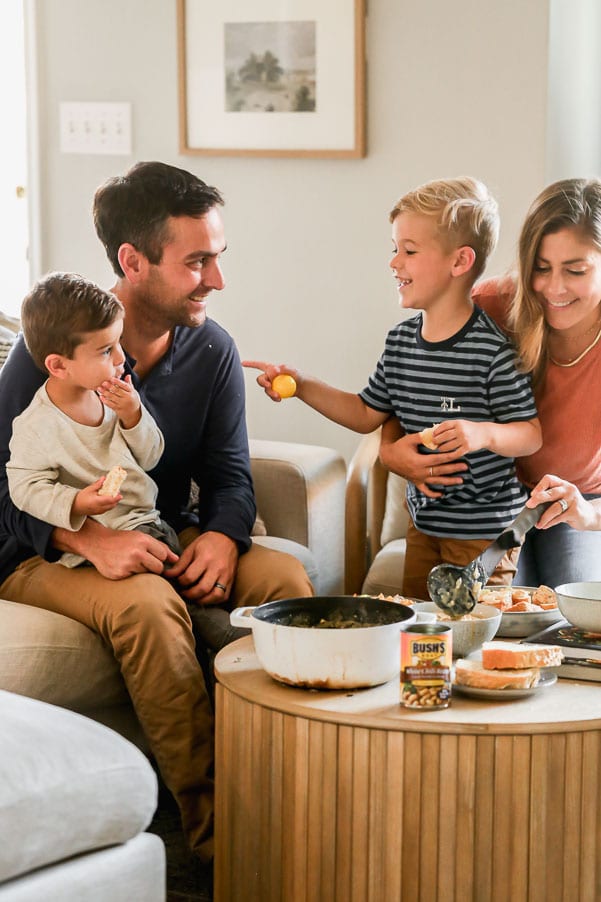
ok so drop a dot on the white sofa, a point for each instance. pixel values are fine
(75, 799)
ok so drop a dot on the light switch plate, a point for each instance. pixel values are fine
(95, 128)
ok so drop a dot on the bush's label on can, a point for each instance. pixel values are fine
(426, 662)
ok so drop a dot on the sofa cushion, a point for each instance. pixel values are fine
(57, 660)
(386, 572)
(134, 870)
(396, 516)
(67, 785)
(301, 552)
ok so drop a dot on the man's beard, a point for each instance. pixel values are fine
(170, 317)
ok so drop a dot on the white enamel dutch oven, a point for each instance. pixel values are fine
(294, 650)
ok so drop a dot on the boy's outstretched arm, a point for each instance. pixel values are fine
(517, 439)
(344, 408)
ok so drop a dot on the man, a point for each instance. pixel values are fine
(163, 233)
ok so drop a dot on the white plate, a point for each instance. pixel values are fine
(547, 678)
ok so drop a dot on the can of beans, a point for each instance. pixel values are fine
(426, 661)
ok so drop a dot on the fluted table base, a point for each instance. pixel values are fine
(318, 804)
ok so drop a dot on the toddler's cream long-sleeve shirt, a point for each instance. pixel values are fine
(53, 457)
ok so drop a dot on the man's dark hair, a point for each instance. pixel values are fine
(60, 310)
(134, 208)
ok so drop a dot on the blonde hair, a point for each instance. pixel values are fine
(567, 204)
(465, 212)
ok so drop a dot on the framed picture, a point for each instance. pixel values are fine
(272, 78)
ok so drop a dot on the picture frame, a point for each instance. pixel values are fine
(286, 79)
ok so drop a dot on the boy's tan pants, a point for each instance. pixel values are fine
(147, 625)
(424, 552)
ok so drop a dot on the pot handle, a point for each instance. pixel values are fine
(241, 616)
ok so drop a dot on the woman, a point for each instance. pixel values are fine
(553, 311)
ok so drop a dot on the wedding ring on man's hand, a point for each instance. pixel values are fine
(220, 586)
(431, 471)
(563, 504)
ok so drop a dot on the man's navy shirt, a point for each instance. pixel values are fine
(196, 395)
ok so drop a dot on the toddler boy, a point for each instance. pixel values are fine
(85, 420)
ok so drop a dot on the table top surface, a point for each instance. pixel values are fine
(565, 706)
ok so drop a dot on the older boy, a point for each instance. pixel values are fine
(448, 365)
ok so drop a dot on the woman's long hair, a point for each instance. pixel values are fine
(567, 204)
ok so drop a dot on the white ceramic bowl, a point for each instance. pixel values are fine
(468, 635)
(580, 603)
(519, 624)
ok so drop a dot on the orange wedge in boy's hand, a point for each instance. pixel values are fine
(284, 385)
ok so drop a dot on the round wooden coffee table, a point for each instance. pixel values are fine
(344, 796)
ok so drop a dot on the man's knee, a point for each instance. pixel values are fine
(150, 601)
(294, 576)
(268, 575)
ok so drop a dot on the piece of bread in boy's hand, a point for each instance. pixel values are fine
(113, 481)
(426, 437)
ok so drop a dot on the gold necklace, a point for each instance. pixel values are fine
(580, 356)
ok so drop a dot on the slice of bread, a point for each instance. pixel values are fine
(472, 673)
(113, 481)
(517, 655)
(519, 595)
(545, 597)
(499, 597)
(427, 438)
(522, 606)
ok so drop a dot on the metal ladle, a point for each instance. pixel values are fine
(455, 589)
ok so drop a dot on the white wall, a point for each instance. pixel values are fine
(574, 123)
(453, 88)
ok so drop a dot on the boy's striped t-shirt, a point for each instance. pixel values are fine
(471, 376)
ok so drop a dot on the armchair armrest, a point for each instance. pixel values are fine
(300, 492)
(364, 513)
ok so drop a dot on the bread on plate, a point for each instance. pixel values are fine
(517, 655)
(472, 673)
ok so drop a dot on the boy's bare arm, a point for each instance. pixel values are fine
(345, 408)
(342, 407)
(506, 439)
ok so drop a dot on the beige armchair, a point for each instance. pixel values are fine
(300, 492)
(300, 496)
(376, 523)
